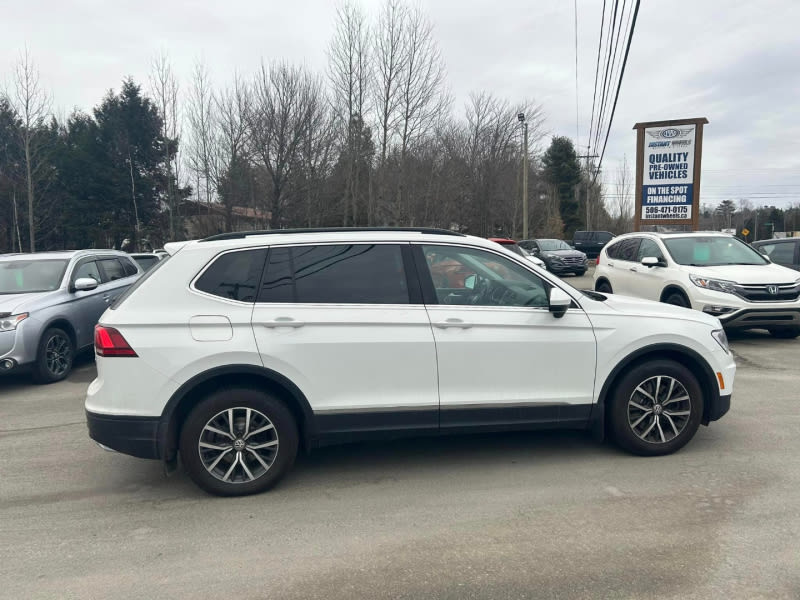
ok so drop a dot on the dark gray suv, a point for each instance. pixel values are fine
(50, 303)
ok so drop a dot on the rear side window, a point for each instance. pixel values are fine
(613, 250)
(627, 249)
(234, 275)
(336, 274)
(604, 237)
(112, 268)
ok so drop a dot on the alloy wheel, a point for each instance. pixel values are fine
(58, 355)
(659, 409)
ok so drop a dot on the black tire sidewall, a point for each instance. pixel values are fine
(784, 333)
(40, 372)
(604, 284)
(621, 431)
(229, 397)
(677, 299)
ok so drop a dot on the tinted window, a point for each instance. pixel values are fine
(130, 268)
(648, 248)
(146, 262)
(278, 285)
(712, 251)
(468, 276)
(782, 253)
(23, 276)
(613, 250)
(112, 268)
(604, 236)
(349, 274)
(627, 249)
(234, 275)
(87, 269)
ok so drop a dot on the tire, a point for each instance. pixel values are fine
(220, 472)
(580, 273)
(784, 333)
(604, 287)
(54, 356)
(676, 299)
(638, 427)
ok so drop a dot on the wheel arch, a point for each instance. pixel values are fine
(188, 394)
(60, 322)
(674, 287)
(686, 356)
(600, 280)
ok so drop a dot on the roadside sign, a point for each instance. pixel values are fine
(745, 232)
(668, 172)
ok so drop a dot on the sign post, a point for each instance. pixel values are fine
(668, 155)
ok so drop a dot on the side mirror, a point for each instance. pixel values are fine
(560, 301)
(85, 284)
(651, 261)
(469, 282)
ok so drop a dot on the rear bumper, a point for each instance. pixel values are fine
(761, 317)
(717, 408)
(137, 436)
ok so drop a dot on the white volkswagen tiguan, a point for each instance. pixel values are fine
(715, 273)
(240, 348)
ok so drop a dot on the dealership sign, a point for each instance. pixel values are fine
(668, 172)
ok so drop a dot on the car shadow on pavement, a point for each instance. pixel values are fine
(83, 371)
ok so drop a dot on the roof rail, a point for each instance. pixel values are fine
(237, 235)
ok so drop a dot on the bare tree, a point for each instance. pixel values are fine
(390, 59)
(202, 134)
(623, 196)
(233, 107)
(350, 77)
(32, 105)
(164, 88)
(282, 100)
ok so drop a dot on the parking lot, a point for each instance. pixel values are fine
(522, 515)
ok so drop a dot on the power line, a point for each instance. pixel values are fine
(577, 112)
(619, 85)
(606, 69)
(596, 73)
(611, 67)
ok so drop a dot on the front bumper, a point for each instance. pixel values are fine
(137, 436)
(716, 408)
(761, 317)
(555, 267)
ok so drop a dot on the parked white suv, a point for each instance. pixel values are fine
(272, 340)
(715, 273)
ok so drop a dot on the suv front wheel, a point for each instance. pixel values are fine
(656, 408)
(54, 356)
(785, 333)
(238, 441)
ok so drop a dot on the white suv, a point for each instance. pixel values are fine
(715, 273)
(241, 347)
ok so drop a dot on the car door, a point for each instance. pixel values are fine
(87, 306)
(648, 282)
(503, 358)
(348, 326)
(625, 279)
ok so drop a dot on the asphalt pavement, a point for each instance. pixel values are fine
(523, 515)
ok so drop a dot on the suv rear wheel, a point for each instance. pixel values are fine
(785, 333)
(656, 408)
(238, 441)
(676, 299)
(604, 287)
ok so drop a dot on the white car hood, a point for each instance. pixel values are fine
(648, 308)
(746, 274)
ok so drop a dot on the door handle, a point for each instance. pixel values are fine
(283, 322)
(634, 269)
(610, 264)
(453, 323)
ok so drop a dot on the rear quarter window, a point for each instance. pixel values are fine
(234, 275)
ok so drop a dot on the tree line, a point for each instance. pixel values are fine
(374, 140)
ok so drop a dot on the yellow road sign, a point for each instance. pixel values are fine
(745, 232)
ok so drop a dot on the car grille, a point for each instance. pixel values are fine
(573, 260)
(761, 293)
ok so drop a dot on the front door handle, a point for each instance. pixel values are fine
(453, 323)
(634, 269)
(283, 322)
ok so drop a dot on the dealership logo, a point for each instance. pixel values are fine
(772, 289)
(671, 132)
(678, 142)
(658, 144)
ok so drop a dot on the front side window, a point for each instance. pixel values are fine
(234, 275)
(470, 276)
(712, 251)
(782, 253)
(28, 276)
(87, 269)
(628, 249)
(648, 248)
(112, 268)
(336, 274)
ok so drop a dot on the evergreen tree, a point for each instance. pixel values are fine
(563, 171)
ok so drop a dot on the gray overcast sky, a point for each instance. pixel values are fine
(732, 62)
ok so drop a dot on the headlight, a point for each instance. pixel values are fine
(555, 257)
(722, 339)
(10, 323)
(715, 285)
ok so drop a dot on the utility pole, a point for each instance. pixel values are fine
(521, 118)
(578, 187)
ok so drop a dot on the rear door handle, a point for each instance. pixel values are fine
(610, 264)
(453, 323)
(283, 322)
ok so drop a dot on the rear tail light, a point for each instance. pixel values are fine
(109, 342)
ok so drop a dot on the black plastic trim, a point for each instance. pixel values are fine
(243, 234)
(717, 409)
(709, 384)
(137, 436)
(516, 415)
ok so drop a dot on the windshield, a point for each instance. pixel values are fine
(550, 245)
(513, 247)
(27, 276)
(712, 251)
